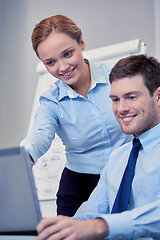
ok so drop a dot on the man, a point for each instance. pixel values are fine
(135, 94)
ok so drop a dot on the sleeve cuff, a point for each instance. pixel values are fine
(120, 226)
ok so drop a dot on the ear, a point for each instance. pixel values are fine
(82, 44)
(158, 96)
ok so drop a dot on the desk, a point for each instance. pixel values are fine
(2, 237)
(33, 238)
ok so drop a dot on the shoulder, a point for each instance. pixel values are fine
(100, 70)
(122, 149)
(103, 67)
(121, 152)
(118, 158)
(50, 95)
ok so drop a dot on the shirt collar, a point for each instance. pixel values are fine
(99, 74)
(150, 138)
(62, 88)
(65, 90)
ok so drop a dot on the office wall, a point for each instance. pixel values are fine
(103, 22)
(157, 29)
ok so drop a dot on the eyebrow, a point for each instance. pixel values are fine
(66, 50)
(126, 94)
(49, 59)
(52, 59)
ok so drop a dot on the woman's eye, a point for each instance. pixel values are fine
(68, 54)
(50, 63)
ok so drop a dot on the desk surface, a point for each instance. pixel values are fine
(33, 238)
(2, 237)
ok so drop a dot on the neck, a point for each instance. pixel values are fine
(84, 82)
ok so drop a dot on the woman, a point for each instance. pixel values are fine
(79, 110)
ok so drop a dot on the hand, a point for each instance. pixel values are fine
(66, 228)
(32, 164)
(31, 160)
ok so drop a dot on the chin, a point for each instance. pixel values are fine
(127, 131)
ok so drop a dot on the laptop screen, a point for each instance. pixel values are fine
(19, 206)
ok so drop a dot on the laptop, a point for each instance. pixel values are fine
(19, 206)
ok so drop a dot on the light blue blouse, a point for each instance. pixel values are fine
(86, 126)
(143, 218)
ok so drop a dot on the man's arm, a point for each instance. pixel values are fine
(97, 203)
(139, 222)
(132, 224)
(62, 227)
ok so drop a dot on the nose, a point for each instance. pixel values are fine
(122, 107)
(62, 66)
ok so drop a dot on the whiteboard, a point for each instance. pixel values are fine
(47, 170)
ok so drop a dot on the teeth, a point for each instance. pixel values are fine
(66, 74)
(127, 118)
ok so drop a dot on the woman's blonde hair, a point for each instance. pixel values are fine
(57, 23)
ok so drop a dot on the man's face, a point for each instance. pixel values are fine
(134, 108)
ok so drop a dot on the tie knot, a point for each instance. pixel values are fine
(136, 144)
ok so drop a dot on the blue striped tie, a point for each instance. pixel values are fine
(123, 195)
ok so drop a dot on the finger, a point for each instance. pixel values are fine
(55, 227)
(45, 222)
(64, 234)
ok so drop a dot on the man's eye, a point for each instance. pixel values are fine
(115, 100)
(132, 97)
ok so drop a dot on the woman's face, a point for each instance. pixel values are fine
(62, 56)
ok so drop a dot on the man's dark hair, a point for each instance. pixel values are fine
(148, 67)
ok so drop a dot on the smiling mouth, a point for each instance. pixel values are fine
(69, 73)
(128, 119)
